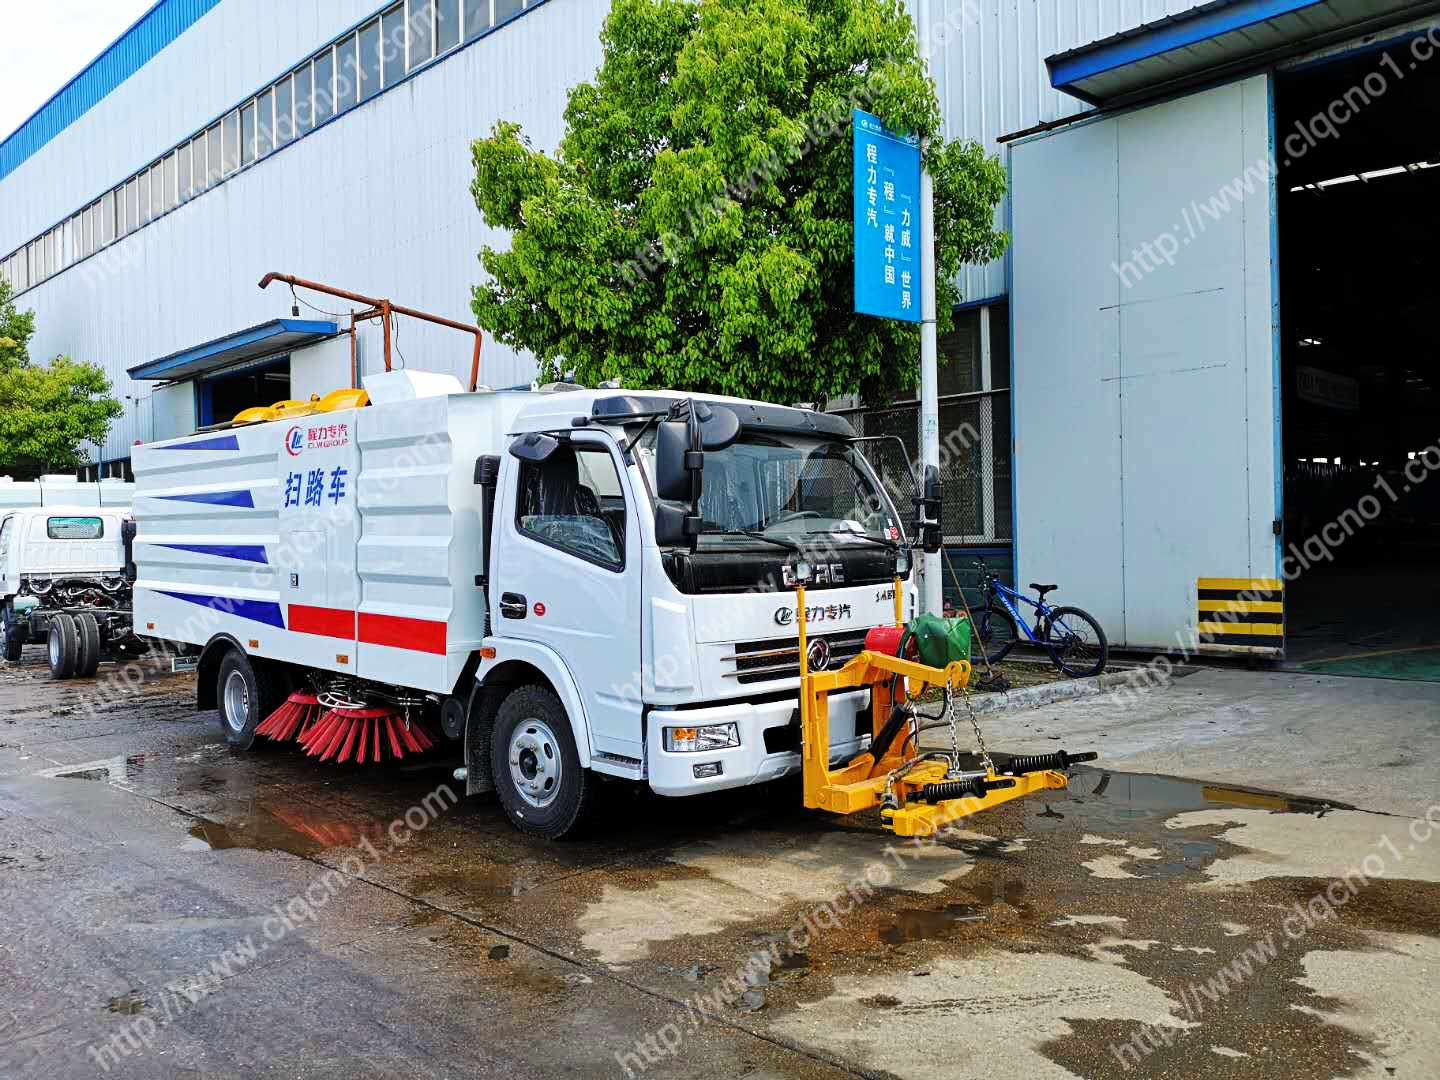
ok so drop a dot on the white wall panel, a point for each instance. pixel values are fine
(320, 368)
(172, 411)
(1144, 404)
(1068, 478)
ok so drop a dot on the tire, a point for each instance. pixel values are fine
(1076, 642)
(245, 694)
(88, 638)
(995, 633)
(13, 644)
(532, 744)
(63, 646)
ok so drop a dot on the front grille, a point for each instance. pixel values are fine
(779, 658)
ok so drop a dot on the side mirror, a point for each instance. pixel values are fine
(127, 539)
(675, 526)
(534, 446)
(680, 447)
(928, 505)
(487, 470)
(719, 426)
(677, 467)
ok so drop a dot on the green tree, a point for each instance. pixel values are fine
(695, 227)
(46, 411)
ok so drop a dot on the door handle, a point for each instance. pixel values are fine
(513, 605)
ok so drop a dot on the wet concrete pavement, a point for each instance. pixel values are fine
(174, 908)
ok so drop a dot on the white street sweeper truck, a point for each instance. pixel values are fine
(659, 587)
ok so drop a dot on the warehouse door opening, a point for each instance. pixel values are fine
(1359, 259)
(222, 395)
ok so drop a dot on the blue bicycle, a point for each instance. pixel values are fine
(1072, 638)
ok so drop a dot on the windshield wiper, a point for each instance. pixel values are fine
(889, 545)
(786, 544)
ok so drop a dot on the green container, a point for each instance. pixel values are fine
(938, 641)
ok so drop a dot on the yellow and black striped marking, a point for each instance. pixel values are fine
(1241, 614)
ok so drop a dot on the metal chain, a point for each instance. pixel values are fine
(954, 732)
(974, 723)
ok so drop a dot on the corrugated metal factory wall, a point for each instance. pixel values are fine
(378, 198)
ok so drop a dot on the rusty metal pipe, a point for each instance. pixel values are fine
(386, 311)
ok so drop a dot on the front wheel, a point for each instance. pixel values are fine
(1076, 642)
(995, 633)
(536, 766)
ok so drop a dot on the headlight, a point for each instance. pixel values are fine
(705, 737)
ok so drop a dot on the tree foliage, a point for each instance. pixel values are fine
(695, 228)
(46, 411)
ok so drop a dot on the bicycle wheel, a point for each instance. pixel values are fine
(1076, 642)
(995, 633)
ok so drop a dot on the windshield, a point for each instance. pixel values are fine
(787, 487)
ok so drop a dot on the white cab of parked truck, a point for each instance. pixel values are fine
(63, 559)
(46, 547)
(501, 562)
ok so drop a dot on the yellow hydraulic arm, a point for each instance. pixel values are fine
(918, 794)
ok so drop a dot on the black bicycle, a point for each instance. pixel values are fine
(1073, 638)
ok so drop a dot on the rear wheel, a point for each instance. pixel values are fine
(245, 693)
(64, 646)
(1076, 642)
(11, 643)
(995, 633)
(88, 639)
(536, 766)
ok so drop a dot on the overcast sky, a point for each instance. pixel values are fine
(48, 42)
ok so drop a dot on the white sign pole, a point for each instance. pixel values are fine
(932, 596)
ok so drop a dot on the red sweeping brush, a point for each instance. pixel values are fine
(300, 710)
(364, 735)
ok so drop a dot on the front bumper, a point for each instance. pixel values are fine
(750, 762)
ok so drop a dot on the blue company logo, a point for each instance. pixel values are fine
(295, 441)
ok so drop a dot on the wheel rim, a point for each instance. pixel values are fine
(237, 702)
(55, 650)
(535, 763)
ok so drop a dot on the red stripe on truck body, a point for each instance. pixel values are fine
(400, 632)
(327, 622)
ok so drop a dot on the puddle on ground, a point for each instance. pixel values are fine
(478, 882)
(918, 925)
(298, 830)
(1123, 798)
(127, 1005)
(125, 769)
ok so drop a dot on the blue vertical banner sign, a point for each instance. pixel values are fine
(887, 221)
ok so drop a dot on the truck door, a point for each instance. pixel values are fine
(568, 576)
(7, 533)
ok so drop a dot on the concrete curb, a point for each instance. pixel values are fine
(1032, 697)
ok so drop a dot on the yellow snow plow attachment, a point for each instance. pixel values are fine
(918, 793)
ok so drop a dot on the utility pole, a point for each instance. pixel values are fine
(932, 595)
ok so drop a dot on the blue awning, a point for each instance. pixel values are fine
(267, 339)
(1221, 37)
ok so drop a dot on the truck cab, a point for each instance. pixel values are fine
(682, 655)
